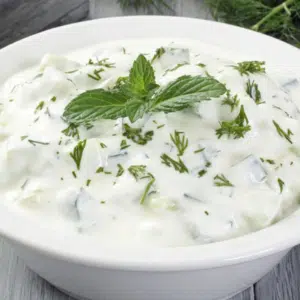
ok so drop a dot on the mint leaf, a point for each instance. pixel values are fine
(96, 104)
(186, 90)
(135, 109)
(141, 77)
(138, 94)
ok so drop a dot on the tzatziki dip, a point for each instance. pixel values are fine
(150, 143)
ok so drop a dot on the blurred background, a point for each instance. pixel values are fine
(278, 18)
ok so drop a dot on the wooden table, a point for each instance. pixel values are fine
(19, 18)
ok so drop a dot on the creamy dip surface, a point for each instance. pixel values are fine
(220, 168)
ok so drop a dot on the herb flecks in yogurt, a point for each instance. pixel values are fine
(236, 128)
(180, 141)
(287, 135)
(250, 67)
(157, 160)
(77, 153)
(253, 91)
(221, 180)
(232, 101)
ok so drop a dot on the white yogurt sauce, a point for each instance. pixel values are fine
(39, 178)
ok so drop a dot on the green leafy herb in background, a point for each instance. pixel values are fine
(277, 18)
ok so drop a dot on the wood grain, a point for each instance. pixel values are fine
(20, 18)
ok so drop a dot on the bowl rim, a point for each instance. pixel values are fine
(276, 238)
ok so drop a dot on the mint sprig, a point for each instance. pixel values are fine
(139, 94)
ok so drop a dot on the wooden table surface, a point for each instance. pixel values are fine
(19, 18)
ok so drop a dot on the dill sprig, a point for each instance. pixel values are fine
(34, 143)
(221, 180)
(175, 68)
(269, 161)
(124, 145)
(278, 20)
(135, 134)
(232, 101)
(287, 135)
(103, 62)
(250, 67)
(140, 172)
(120, 170)
(77, 153)
(180, 141)
(178, 165)
(253, 91)
(39, 107)
(96, 74)
(102, 170)
(236, 128)
(158, 53)
(281, 184)
(71, 130)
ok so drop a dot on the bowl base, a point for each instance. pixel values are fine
(80, 298)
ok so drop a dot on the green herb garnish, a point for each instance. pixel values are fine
(231, 101)
(287, 135)
(236, 128)
(269, 161)
(199, 150)
(102, 145)
(253, 91)
(77, 153)
(140, 172)
(39, 106)
(279, 19)
(250, 67)
(33, 142)
(101, 170)
(180, 141)
(175, 68)
(88, 182)
(124, 145)
(147, 189)
(72, 130)
(96, 74)
(103, 62)
(177, 165)
(120, 170)
(136, 135)
(202, 173)
(140, 94)
(281, 184)
(74, 174)
(158, 53)
(53, 99)
(221, 180)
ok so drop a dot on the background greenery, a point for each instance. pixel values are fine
(277, 18)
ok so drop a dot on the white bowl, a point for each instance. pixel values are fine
(95, 271)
